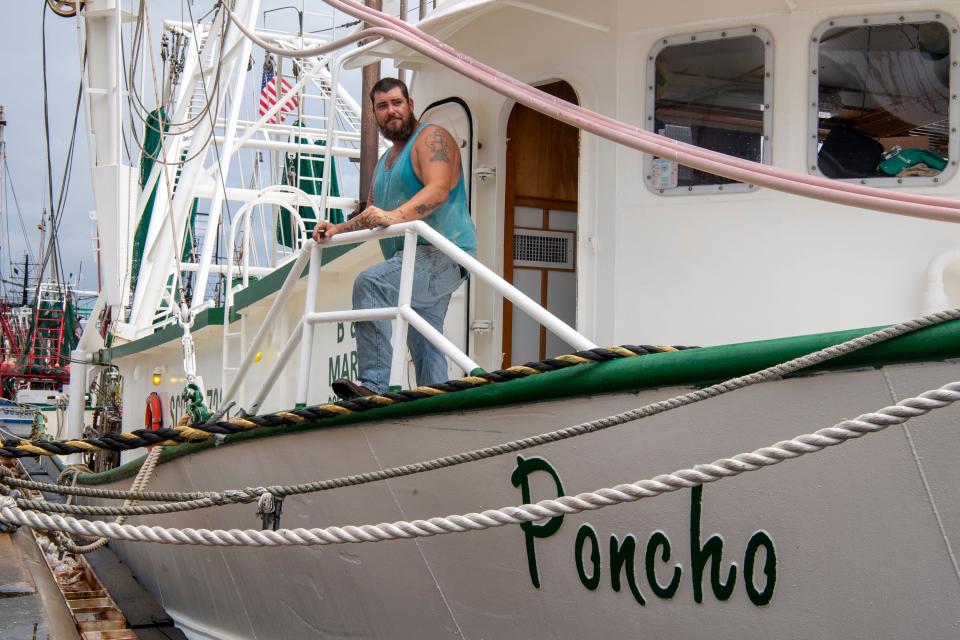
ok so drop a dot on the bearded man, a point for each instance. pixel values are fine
(419, 178)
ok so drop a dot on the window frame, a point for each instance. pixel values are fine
(766, 146)
(813, 109)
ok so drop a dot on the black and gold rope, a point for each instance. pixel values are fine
(166, 437)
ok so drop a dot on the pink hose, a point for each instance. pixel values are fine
(734, 168)
(574, 111)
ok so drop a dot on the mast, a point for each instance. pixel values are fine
(369, 132)
(26, 272)
(3, 174)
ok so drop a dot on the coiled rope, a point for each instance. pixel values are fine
(685, 478)
(199, 500)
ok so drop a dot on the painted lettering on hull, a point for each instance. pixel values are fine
(212, 401)
(343, 365)
(624, 555)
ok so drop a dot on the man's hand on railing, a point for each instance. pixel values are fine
(323, 231)
(374, 216)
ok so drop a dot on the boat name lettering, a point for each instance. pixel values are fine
(342, 333)
(342, 365)
(706, 557)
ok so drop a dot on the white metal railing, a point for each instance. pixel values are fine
(403, 314)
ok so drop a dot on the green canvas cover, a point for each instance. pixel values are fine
(156, 126)
(302, 168)
(154, 129)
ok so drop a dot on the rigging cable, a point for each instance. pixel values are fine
(136, 106)
(16, 203)
(58, 206)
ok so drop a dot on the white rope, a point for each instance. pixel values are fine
(139, 484)
(567, 505)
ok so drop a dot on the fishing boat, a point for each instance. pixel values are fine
(772, 181)
(39, 325)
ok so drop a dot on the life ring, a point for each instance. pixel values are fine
(153, 419)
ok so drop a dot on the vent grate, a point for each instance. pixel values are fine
(548, 249)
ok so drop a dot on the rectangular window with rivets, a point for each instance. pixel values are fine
(712, 90)
(883, 104)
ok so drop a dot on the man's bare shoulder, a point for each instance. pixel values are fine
(435, 144)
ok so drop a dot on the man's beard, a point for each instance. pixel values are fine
(400, 134)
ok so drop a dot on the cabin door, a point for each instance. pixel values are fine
(540, 226)
(453, 115)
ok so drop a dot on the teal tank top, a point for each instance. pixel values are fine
(395, 185)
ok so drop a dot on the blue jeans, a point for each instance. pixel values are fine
(435, 278)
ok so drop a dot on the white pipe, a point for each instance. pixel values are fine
(438, 340)
(239, 194)
(352, 315)
(934, 294)
(288, 130)
(244, 273)
(222, 269)
(76, 391)
(310, 306)
(295, 147)
(399, 358)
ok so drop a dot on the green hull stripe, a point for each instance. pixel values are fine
(690, 367)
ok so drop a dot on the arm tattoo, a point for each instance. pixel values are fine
(353, 225)
(439, 147)
(424, 209)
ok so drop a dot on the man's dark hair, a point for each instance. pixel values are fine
(388, 84)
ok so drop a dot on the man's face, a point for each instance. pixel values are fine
(394, 114)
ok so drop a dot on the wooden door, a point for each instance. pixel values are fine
(540, 226)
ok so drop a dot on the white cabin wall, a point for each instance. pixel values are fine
(709, 269)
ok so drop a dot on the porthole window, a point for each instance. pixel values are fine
(712, 90)
(883, 109)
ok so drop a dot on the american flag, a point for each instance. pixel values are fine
(268, 94)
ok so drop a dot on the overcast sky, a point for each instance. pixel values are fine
(21, 94)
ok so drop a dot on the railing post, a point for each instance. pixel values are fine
(278, 366)
(306, 342)
(76, 390)
(406, 293)
(275, 310)
(245, 275)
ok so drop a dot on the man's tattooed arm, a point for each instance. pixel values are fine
(424, 209)
(351, 225)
